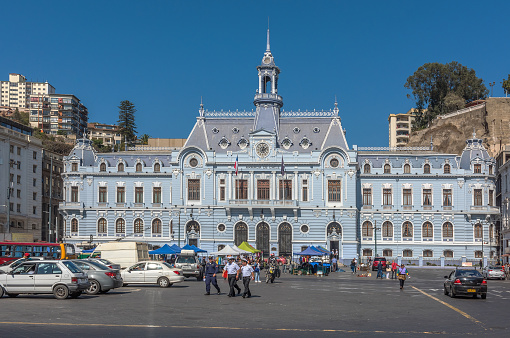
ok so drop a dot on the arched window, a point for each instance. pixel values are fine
(367, 252)
(285, 239)
(138, 226)
(102, 167)
(221, 247)
(367, 229)
(407, 230)
(448, 230)
(262, 239)
(407, 169)
(334, 227)
(366, 168)
(138, 167)
(426, 168)
(478, 231)
(427, 230)
(193, 226)
(156, 226)
(427, 253)
(446, 169)
(101, 226)
(448, 253)
(157, 167)
(387, 169)
(120, 226)
(74, 225)
(120, 167)
(387, 253)
(387, 229)
(478, 254)
(407, 253)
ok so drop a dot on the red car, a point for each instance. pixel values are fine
(376, 263)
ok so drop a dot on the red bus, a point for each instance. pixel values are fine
(15, 250)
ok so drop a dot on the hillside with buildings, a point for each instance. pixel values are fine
(490, 120)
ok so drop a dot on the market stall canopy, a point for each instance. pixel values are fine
(248, 247)
(192, 247)
(88, 251)
(176, 248)
(164, 250)
(235, 247)
(310, 251)
(227, 251)
(320, 248)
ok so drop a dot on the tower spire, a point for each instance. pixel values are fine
(268, 48)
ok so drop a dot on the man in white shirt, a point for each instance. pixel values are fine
(247, 273)
(232, 269)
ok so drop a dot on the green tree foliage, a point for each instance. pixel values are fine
(126, 122)
(431, 84)
(145, 138)
(506, 85)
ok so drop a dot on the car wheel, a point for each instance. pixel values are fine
(445, 291)
(12, 295)
(76, 294)
(94, 287)
(484, 295)
(125, 284)
(60, 292)
(452, 293)
(163, 282)
(1, 292)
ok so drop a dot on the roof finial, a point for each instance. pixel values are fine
(474, 132)
(201, 107)
(336, 106)
(268, 49)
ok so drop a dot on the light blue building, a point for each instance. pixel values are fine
(282, 180)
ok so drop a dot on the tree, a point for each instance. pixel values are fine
(145, 138)
(126, 122)
(432, 82)
(506, 85)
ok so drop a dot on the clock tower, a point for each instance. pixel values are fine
(267, 100)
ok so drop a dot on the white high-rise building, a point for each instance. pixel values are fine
(16, 92)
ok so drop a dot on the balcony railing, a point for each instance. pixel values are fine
(285, 203)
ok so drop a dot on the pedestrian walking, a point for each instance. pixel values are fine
(256, 270)
(353, 265)
(379, 270)
(394, 269)
(246, 273)
(211, 269)
(334, 264)
(232, 269)
(402, 275)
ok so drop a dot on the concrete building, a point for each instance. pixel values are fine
(56, 114)
(400, 126)
(283, 180)
(16, 92)
(52, 195)
(108, 133)
(20, 182)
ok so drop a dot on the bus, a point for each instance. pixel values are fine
(15, 250)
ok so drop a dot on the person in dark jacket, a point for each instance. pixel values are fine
(211, 269)
(379, 270)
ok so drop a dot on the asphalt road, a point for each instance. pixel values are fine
(296, 306)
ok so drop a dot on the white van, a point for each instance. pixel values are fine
(124, 253)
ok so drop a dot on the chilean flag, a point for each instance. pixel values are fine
(282, 169)
(236, 164)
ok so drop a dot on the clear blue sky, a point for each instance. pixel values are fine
(164, 55)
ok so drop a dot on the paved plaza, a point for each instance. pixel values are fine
(294, 306)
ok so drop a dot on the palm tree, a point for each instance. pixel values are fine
(145, 138)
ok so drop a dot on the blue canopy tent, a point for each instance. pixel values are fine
(310, 251)
(88, 251)
(192, 247)
(321, 249)
(164, 250)
(176, 248)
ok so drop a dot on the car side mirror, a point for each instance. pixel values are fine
(445, 276)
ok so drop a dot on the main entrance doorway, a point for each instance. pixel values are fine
(285, 239)
(240, 233)
(263, 238)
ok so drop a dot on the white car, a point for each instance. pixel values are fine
(152, 272)
(494, 272)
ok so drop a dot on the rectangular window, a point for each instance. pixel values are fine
(285, 190)
(34, 169)
(138, 194)
(447, 197)
(194, 190)
(121, 195)
(34, 182)
(18, 193)
(367, 196)
(490, 170)
(34, 196)
(18, 208)
(18, 179)
(34, 210)
(19, 151)
(74, 167)
(263, 189)
(156, 195)
(74, 194)
(305, 191)
(477, 168)
(407, 195)
(241, 189)
(387, 200)
(11, 149)
(491, 198)
(427, 197)
(102, 195)
(11, 178)
(334, 191)
(222, 193)
(478, 197)
(34, 155)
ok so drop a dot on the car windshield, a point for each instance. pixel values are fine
(186, 259)
(73, 268)
(495, 268)
(104, 261)
(167, 265)
(468, 273)
(98, 265)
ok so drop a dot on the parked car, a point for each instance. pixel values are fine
(105, 262)
(9, 265)
(152, 272)
(188, 262)
(102, 278)
(494, 272)
(60, 278)
(375, 264)
(465, 282)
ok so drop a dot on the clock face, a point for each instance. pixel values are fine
(267, 59)
(262, 149)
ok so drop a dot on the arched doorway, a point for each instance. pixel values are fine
(285, 239)
(263, 238)
(240, 233)
(334, 233)
(193, 232)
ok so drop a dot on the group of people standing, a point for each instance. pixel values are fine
(397, 272)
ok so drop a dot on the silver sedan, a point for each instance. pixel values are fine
(494, 272)
(152, 272)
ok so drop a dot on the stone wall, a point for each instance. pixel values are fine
(491, 123)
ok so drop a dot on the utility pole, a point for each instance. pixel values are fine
(50, 228)
(375, 234)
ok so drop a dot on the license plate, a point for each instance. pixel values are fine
(471, 290)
